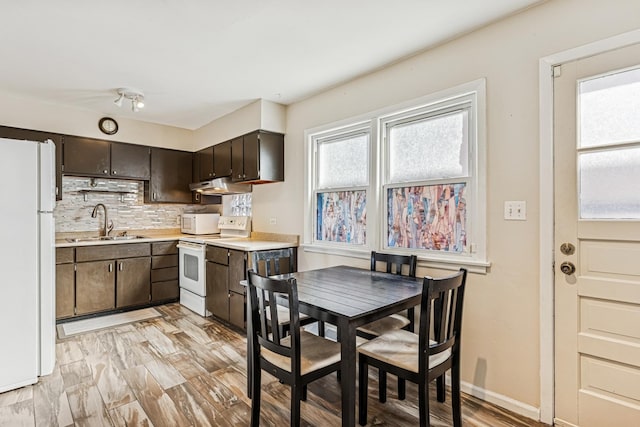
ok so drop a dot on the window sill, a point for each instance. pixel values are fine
(442, 263)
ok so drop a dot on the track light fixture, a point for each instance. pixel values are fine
(136, 97)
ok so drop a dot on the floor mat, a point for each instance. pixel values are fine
(68, 329)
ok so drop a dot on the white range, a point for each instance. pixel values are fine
(193, 283)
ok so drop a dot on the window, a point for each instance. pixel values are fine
(405, 179)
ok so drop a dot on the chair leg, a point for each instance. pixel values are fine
(255, 397)
(423, 403)
(304, 393)
(320, 328)
(440, 389)
(402, 388)
(412, 319)
(296, 396)
(382, 389)
(456, 407)
(363, 385)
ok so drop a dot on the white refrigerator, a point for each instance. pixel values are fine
(27, 262)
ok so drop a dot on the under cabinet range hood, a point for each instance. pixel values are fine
(220, 186)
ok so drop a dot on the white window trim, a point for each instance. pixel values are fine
(477, 260)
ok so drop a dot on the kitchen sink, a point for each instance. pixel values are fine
(104, 238)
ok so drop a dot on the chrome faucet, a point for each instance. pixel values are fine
(108, 225)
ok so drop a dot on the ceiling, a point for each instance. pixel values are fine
(197, 60)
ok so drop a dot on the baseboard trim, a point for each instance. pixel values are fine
(503, 401)
(560, 423)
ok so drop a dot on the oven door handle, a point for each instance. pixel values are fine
(191, 246)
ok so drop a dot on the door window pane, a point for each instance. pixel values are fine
(609, 109)
(432, 148)
(609, 184)
(343, 162)
(342, 217)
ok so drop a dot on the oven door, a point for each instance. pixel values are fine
(192, 267)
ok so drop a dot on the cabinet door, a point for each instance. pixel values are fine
(130, 161)
(133, 281)
(217, 300)
(65, 290)
(86, 156)
(170, 176)
(222, 159)
(237, 310)
(95, 286)
(251, 161)
(237, 159)
(205, 160)
(34, 135)
(237, 270)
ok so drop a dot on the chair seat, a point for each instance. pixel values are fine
(400, 348)
(315, 353)
(283, 315)
(384, 325)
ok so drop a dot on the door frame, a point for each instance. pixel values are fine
(545, 78)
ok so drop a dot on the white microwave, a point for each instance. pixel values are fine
(200, 223)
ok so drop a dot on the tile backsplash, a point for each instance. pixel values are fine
(73, 213)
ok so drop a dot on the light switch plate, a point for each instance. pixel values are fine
(515, 210)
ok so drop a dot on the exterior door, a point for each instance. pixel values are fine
(597, 240)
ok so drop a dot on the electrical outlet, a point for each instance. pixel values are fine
(178, 219)
(273, 220)
(515, 210)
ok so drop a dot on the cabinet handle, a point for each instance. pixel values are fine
(114, 173)
(154, 196)
(110, 268)
(239, 175)
(120, 267)
(197, 197)
(106, 171)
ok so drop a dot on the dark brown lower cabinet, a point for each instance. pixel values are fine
(65, 290)
(164, 272)
(95, 286)
(225, 297)
(133, 283)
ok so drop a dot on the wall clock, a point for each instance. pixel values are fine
(108, 126)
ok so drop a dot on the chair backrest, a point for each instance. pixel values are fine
(264, 293)
(394, 263)
(270, 263)
(441, 309)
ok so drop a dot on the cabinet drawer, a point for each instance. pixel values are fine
(64, 255)
(105, 252)
(164, 274)
(164, 261)
(217, 255)
(161, 291)
(164, 248)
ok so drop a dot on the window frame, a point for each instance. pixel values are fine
(476, 259)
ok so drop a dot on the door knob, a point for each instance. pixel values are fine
(567, 268)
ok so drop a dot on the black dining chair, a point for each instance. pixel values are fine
(421, 358)
(392, 264)
(297, 359)
(274, 262)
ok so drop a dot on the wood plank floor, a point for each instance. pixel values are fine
(185, 370)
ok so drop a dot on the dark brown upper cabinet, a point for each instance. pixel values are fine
(205, 162)
(171, 174)
(130, 161)
(34, 135)
(222, 159)
(86, 156)
(258, 157)
(101, 158)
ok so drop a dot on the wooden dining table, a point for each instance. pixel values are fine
(349, 297)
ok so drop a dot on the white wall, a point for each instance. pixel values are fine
(260, 114)
(501, 326)
(30, 114)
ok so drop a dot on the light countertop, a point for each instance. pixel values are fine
(257, 241)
